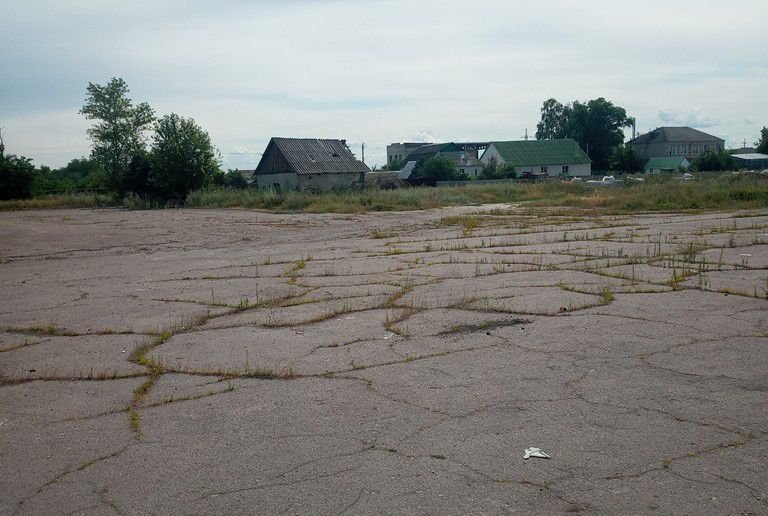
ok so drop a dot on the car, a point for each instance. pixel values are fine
(606, 181)
(687, 177)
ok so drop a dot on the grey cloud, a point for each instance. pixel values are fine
(690, 119)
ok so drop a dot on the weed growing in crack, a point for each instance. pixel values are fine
(379, 234)
(606, 295)
(49, 329)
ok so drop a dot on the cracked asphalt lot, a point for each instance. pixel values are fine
(235, 362)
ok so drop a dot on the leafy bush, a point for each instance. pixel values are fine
(16, 176)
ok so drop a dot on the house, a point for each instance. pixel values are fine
(399, 152)
(247, 175)
(666, 164)
(463, 160)
(675, 141)
(537, 157)
(752, 161)
(308, 163)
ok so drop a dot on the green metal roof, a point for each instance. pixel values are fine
(542, 152)
(665, 163)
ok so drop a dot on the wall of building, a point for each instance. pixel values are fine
(399, 151)
(491, 154)
(580, 170)
(284, 181)
(471, 171)
(320, 182)
(690, 149)
(323, 182)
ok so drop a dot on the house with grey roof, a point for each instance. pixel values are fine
(540, 157)
(661, 164)
(675, 141)
(308, 163)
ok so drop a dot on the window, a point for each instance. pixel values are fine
(565, 169)
(543, 170)
(695, 148)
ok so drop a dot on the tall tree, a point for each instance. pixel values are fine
(16, 175)
(762, 144)
(554, 121)
(118, 131)
(597, 126)
(182, 157)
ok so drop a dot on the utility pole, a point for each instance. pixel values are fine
(363, 152)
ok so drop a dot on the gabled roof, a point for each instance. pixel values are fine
(430, 149)
(542, 152)
(674, 134)
(312, 156)
(666, 163)
(407, 170)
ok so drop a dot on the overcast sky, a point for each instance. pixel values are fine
(378, 71)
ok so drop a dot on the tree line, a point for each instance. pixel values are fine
(598, 127)
(133, 153)
(136, 153)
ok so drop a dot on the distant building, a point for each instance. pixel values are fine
(675, 141)
(666, 164)
(247, 175)
(753, 161)
(538, 157)
(308, 163)
(400, 152)
(397, 152)
(465, 161)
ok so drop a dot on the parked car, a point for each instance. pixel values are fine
(687, 177)
(606, 181)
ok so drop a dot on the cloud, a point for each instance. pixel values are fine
(691, 118)
(422, 136)
(374, 71)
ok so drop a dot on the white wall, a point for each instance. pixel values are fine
(491, 153)
(552, 170)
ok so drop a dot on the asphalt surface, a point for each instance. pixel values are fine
(234, 362)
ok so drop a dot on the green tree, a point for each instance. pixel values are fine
(554, 121)
(492, 170)
(136, 179)
(83, 174)
(714, 161)
(597, 126)
(182, 157)
(16, 175)
(118, 131)
(437, 168)
(234, 179)
(762, 144)
(395, 164)
(625, 160)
